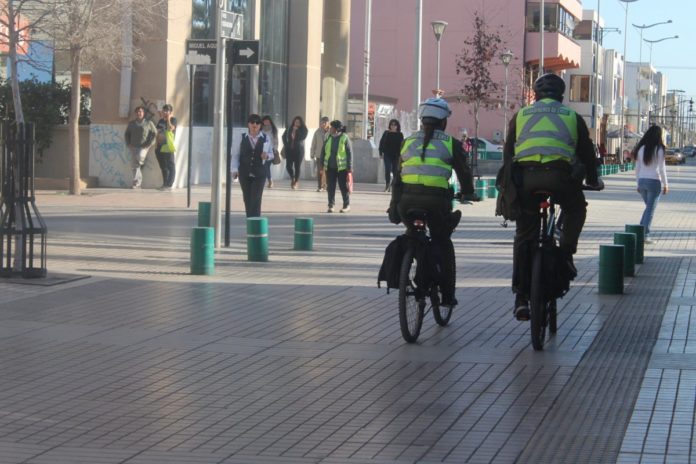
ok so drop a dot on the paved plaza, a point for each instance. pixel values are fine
(122, 356)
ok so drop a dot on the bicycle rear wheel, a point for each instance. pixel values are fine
(411, 307)
(553, 313)
(537, 303)
(442, 314)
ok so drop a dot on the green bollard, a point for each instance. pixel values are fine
(639, 230)
(491, 191)
(202, 251)
(204, 214)
(304, 234)
(611, 269)
(257, 239)
(481, 188)
(628, 240)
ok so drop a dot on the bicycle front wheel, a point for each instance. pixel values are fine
(411, 305)
(537, 302)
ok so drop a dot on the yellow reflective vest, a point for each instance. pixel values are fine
(433, 171)
(546, 131)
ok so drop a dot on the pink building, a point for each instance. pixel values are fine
(393, 52)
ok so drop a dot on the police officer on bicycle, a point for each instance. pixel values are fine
(551, 150)
(427, 159)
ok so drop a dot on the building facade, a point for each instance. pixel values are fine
(287, 81)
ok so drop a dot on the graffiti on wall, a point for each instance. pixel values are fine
(109, 156)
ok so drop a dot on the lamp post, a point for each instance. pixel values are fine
(640, 66)
(623, 81)
(506, 57)
(652, 42)
(438, 29)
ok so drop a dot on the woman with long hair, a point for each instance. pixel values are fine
(293, 141)
(651, 173)
(271, 132)
(390, 150)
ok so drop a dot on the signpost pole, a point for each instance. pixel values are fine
(192, 75)
(218, 122)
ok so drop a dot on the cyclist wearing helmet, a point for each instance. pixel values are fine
(551, 150)
(427, 159)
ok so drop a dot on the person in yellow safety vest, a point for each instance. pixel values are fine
(427, 159)
(551, 150)
(337, 163)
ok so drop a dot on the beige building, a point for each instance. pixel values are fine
(303, 70)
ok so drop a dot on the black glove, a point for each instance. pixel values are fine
(393, 214)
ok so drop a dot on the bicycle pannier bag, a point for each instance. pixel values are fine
(508, 202)
(391, 264)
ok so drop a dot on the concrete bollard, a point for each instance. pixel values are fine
(611, 269)
(304, 234)
(628, 240)
(202, 251)
(639, 230)
(257, 239)
(204, 214)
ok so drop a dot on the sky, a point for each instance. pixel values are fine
(675, 58)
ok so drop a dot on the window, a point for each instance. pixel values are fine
(580, 88)
(273, 63)
(556, 19)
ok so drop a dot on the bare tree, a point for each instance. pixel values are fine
(482, 51)
(89, 30)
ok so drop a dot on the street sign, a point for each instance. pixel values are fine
(200, 51)
(243, 52)
(231, 25)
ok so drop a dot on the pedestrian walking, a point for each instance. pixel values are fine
(317, 150)
(271, 131)
(337, 162)
(248, 165)
(140, 133)
(390, 150)
(651, 174)
(293, 143)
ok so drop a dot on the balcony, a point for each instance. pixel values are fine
(560, 52)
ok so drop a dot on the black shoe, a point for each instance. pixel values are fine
(572, 270)
(455, 217)
(521, 310)
(452, 302)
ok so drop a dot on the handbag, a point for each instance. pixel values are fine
(276, 157)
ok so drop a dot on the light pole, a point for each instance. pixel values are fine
(640, 66)
(506, 57)
(652, 42)
(623, 81)
(438, 29)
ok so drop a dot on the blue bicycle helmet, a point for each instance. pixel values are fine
(435, 108)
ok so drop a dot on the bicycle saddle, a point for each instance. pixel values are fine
(416, 213)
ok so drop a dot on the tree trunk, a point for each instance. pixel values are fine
(74, 122)
(12, 55)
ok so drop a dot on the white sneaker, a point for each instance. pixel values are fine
(648, 241)
(345, 209)
(330, 210)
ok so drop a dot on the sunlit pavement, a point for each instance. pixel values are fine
(300, 359)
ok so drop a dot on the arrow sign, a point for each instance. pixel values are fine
(243, 52)
(246, 52)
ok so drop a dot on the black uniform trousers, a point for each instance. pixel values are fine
(252, 192)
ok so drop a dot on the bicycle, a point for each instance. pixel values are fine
(546, 255)
(416, 284)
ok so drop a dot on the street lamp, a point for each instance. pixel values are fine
(506, 57)
(623, 82)
(640, 66)
(652, 42)
(438, 29)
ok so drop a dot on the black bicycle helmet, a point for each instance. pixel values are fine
(549, 86)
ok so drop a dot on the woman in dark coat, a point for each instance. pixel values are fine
(390, 150)
(293, 142)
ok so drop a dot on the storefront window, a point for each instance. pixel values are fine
(273, 65)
